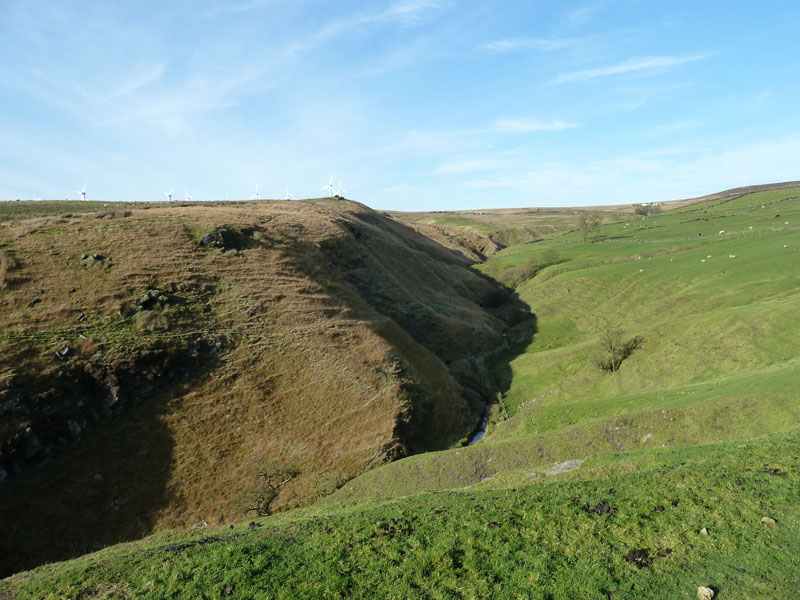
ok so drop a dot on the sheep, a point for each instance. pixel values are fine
(721, 231)
(731, 256)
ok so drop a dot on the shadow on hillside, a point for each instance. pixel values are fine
(107, 488)
(522, 327)
(473, 324)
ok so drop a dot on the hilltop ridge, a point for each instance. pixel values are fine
(228, 359)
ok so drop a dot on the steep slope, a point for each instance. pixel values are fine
(175, 365)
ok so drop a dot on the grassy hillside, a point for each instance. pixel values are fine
(675, 467)
(718, 361)
(150, 380)
(682, 518)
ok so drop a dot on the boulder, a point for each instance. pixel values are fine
(705, 593)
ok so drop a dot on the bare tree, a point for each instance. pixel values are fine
(587, 223)
(614, 348)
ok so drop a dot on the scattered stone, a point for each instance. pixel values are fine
(773, 471)
(704, 531)
(72, 290)
(34, 302)
(253, 525)
(494, 525)
(675, 501)
(768, 520)
(564, 467)
(645, 438)
(575, 499)
(705, 593)
(658, 508)
(640, 557)
(81, 318)
(601, 508)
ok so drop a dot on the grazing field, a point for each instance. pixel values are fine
(644, 441)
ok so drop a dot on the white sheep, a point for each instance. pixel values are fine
(731, 256)
(721, 231)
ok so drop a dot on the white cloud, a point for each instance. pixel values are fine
(628, 66)
(470, 166)
(413, 12)
(528, 126)
(518, 44)
(626, 179)
(139, 80)
(221, 8)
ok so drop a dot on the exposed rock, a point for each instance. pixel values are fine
(601, 508)
(704, 531)
(705, 593)
(768, 520)
(32, 445)
(640, 557)
(224, 238)
(564, 467)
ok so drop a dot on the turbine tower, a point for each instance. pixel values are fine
(342, 191)
(169, 195)
(288, 195)
(329, 187)
(188, 197)
(82, 192)
(255, 196)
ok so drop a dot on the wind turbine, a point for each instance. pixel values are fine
(169, 195)
(255, 196)
(82, 192)
(342, 191)
(329, 187)
(188, 197)
(288, 195)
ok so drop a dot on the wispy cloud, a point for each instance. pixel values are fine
(629, 66)
(469, 166)
(528, 126)
(413, 12)
(139, 80)
(221, 8)
(520, 44)
(671, 128)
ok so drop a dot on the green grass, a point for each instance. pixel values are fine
(539, 540)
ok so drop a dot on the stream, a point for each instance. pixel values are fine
(478, 434)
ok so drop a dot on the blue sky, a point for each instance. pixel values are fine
(412, 104)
